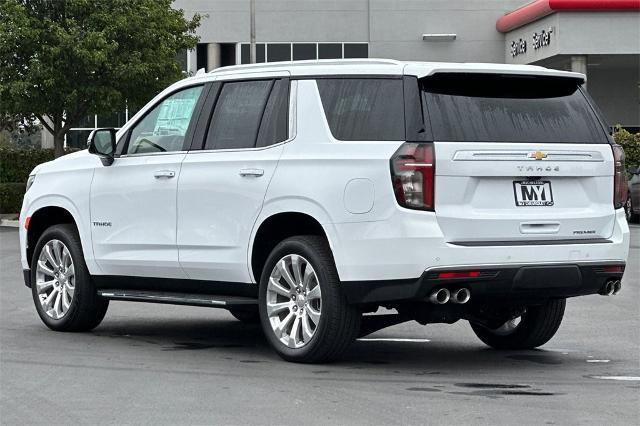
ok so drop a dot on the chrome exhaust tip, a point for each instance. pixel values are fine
(461, 296)
(617, 286)
(440, 296)
(608, 288)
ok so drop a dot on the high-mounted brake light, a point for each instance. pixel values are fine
(412, 175)
(619, 179)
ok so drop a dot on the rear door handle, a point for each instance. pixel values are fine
(168, 174)
(251, 172)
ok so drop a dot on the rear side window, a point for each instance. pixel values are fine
(275, 121)
(237, 114)
(507, 108)
(363, 109)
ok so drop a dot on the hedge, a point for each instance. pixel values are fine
(16, 164)
(11, 195)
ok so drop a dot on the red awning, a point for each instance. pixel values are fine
(541, 8)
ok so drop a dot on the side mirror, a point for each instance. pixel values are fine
(102, 142)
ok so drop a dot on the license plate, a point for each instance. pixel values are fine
(533, 193)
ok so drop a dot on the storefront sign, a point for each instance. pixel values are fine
(542, 39)
(539, 40)
(518, 47)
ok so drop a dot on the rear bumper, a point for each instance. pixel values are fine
(509, 283)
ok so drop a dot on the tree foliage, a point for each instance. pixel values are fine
(65, 59)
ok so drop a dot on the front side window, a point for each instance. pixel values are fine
(364, 109)
(249, 114)
(163, 129)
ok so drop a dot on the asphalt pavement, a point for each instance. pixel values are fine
(161, 364)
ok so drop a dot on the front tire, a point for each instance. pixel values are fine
(62, 290)
(535, 327)
(305, 316)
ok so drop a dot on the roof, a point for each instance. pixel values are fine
(540, 8)
(377, 67)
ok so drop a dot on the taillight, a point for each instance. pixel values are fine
(412, 175)
(619, 178)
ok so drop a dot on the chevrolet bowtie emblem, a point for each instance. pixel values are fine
(538, 155)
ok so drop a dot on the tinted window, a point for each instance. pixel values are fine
(163, 129)
(303, 51)
(278, 52)
(356, 50)
(499, 108)
(329, 51)
(237, 115)
(274, 126)
(363, 109)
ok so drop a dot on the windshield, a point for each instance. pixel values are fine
(469, 107)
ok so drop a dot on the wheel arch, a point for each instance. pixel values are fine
(276, 227)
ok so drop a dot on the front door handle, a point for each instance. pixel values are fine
(168, 174)
(251, 172)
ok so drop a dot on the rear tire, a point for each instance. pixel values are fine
(536, 327)
(326, 323)
(62, 289)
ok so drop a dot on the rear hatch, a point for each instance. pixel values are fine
(519, 159)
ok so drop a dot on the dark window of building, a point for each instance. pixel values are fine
(329, 51)
(116, 120)
(260, 52)
(245, 53)
(237, 115)
(363, 109)
(274, 126)
(227, 54)
(278, 52)
(356, 50)
(302, 51)
(77, 138)
(181, 58)
(202, 56)
(499, 108)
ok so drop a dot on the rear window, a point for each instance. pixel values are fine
(363, 109)
(506, 108)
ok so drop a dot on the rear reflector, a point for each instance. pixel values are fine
(26, 222)
(459, 274)
(615, 269)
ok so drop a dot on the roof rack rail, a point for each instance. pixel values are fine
(263, 65)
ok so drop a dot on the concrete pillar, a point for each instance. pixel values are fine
(214, 56)
(192, 62)
(579, 64)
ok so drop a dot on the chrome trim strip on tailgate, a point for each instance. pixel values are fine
(520, 155)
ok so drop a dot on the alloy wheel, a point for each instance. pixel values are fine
(55, 279)
(294, 301)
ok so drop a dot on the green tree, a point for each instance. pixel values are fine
(65, 59)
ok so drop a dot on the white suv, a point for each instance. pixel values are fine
(306, 195)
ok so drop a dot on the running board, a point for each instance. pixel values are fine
(172, 298)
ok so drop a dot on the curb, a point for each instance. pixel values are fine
(9, 223)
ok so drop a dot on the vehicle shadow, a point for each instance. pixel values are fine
(235, 340)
